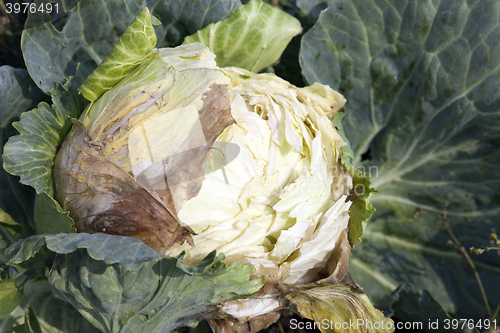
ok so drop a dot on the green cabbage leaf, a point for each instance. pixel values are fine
(121, 285)
(422, 85)
(253, 38)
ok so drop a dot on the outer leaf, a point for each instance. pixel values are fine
(312, 7)
(24, 328)
(50, 218)
(422, 89)
(18, 93)
(24, 249)
(182, 18)
(307, 12)
(340, 308)
(252, 38)
(9, 231)
(11, 47)
(14, 319)
(33, 321)
(118, 283)
(155, 298)
(54, 315)
(8, 223)
(110, 249)
(404, 301)
(10, 297)
(30, 155)
(134, 45)
(93, 27)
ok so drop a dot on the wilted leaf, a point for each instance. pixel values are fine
(102, 197)
(340, 308)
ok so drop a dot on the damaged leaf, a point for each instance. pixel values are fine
(340, 308)
(231, 325)
(138, 153)
(102, 197)
(337, 267)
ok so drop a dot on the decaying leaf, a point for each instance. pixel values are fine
(232, 325)
(340, 308)
(184, 170)
(102, 197)
(337, 266)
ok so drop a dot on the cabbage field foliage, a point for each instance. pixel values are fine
(214, 165)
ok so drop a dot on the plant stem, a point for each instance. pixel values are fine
(282, 330)
(497, 310)
(461, 248)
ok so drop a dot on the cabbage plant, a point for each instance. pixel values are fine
(182, 182)
(191, 158)
(195, 160)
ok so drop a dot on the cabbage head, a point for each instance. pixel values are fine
(192, 158)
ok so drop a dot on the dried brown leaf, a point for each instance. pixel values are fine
(102, 197)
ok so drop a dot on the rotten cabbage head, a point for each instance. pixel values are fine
(191, 157)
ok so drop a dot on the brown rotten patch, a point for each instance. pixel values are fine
(185, 170)
(102, 197)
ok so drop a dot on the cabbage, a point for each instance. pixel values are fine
(226, 173)
(247, 163)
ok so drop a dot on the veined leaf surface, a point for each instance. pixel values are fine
(422, 84)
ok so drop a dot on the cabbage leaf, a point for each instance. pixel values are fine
(18, 93)
(340, 308)
(121, 285)
(253, 38)
(92, 28)
(423, 117)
